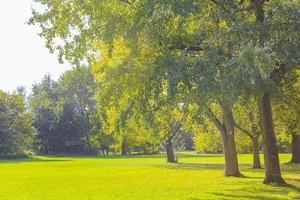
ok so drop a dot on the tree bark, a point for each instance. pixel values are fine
(256, 158)
(255, 141)
(272, 165)
(170, 151)
(230, 154)
(124, 147)
(295, 148)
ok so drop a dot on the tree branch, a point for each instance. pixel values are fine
(278, 73)
(123, 116)
(216, 121)
(176, 128)
(243, 130)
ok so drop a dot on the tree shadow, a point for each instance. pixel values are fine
(198, 166)
(191, 166)
(269, 192)
(200, 155)
(33, 159)
(162, 155)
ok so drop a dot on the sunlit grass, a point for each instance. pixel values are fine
(196, 176)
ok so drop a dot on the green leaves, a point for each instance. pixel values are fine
(16, 126)
(151, 56)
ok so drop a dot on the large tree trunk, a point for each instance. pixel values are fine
(256, 158)
(124, 147)
(295, 148)
(230, 154)
(272, 165)
(170, 151)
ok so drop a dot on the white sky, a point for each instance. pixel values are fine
(24, 59)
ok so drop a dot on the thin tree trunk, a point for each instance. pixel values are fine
(255, 141)
(256, 158)
(175, 127)
(272, 165)
(295, 148)
(170, 151)
(230, 154)
(124, 147)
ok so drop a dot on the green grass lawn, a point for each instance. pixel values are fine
(139, 177)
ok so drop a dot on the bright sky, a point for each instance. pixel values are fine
(24, 58)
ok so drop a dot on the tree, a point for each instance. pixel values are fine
(42, 103)
(287, 101)
(169, 122)
(60, 128)
(269, 36)
(247, 121)
(16, 130)
(77, 89)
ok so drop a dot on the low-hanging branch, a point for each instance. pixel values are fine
(216, 121)
(243, 130)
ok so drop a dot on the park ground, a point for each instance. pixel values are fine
(196, 176)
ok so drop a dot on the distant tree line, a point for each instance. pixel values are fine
(63, 116)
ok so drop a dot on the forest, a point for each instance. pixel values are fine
(162, 77)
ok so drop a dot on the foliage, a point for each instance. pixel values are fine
(16, 130)
(210, 50)
(57, 112)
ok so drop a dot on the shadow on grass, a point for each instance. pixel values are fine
(192, 166)
(160, 155)
(200, 155)
(28, 160)
(268, 192)
(200, 166)
(291, 168)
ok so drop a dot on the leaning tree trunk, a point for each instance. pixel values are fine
(272, 165)
(256, 158)
(170, 151)
(295, 148)
(230, 154)
(124, 147)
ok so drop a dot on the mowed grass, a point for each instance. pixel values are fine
(139, 177)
